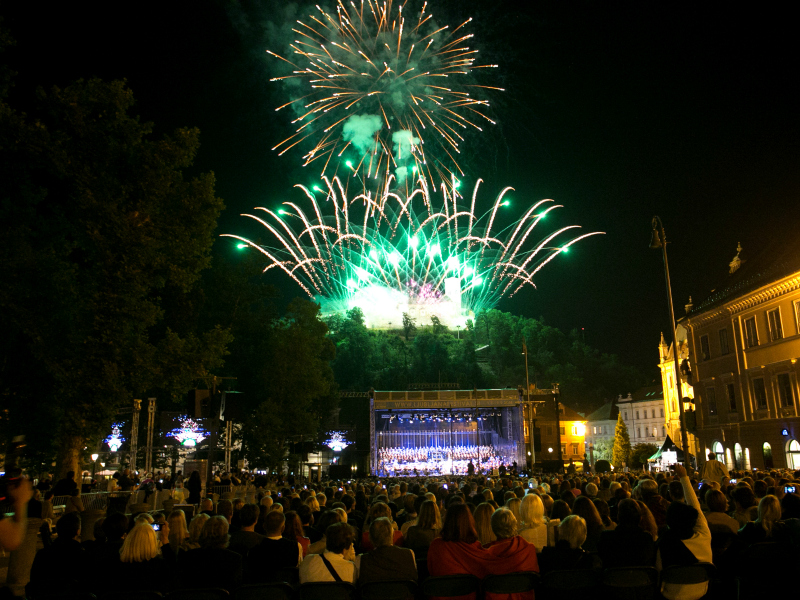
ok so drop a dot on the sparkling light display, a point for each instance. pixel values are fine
(393, 254)
(337, 441)
(190, 433)
(373, 87)
(115, 440)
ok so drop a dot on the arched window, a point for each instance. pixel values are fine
(793, 454)
(719, 451)
(747, 459)
(728, 461)
(738, 457)
(766, 450)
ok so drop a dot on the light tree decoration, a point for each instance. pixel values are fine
(337, 441)
(115, 439)
(190, 433)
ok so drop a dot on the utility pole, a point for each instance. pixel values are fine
(528, 402)
(556, 394)
(151, 417)
(137, 406)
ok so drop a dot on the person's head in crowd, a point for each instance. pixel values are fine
(342, 513)
(584, 507)
(681, 519)
(531, 511)
(329, 518)
(512, 504)
(568, 497)
(339, 537)
(68, 527)
(115, 526)
(676, 491)
(408, 504)
(196, 527)
(277, 507)
(378, 510)
(381, 532)
(267, 501)
(591, 490)
(348, 502)
(178, 531)
(313, 503)
(248, 516)
(483, 523)
(503, 523)
(645, 489)
(790, 506)
(488, 496)
(647, 523)
(293, 529)
(743, 497)
(628, 514)
(140, 545)
(215, 533)
(716, 501)
(305, 514)
(572, 531)
(207, 505)
(604, 511)
(225, 509)
(560, 510)
(769, 513)
(144, 518)
(429, 516)
(760, 488)
(459, 525)
(322, 499)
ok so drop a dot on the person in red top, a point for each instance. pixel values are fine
(510, 553)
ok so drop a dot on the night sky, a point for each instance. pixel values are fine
(617, 111)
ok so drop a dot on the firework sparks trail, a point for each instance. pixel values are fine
(390, 93)
(413, 246)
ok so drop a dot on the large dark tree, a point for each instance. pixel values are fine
(102, 241)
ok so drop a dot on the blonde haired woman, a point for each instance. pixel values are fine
(141, 565)
(766, 526)
(532, 522)
(195, 530)
(178, 534)
(427, 528)
(512, 504)
(483, 523)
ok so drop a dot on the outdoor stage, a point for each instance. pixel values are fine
(422, 433)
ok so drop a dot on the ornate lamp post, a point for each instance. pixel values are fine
(659, 240)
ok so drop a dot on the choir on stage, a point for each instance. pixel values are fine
(438, 460)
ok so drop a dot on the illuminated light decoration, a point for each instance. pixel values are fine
(337, 441)
(189, 434)
(115, 440)
(357, 252)
(384, 91)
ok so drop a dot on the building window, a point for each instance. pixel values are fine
(672, 405)
(563, 449)
(711, 400)
(638, 432)
(575, 448)
(624, 415)
(738, 457)
(775, 327)
(562, 430)
(637, 415)
(526, 430)
(750, 332)
(663, 431)
(760, 393)
(793, 454)
(766, 451)
(731, 396)
(704, 350)
(719, 451)
(797, 315)
(723, 341)
(785, 390)
(549, 430)
(661, 410)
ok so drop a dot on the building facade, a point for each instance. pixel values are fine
(643, 413)
(744, 344)
(600, 430)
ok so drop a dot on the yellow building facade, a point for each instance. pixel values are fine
(743, 345)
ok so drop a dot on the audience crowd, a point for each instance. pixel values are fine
(367, 531)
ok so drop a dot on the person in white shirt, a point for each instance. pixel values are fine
(336, 562)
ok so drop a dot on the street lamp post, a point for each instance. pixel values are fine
(659, 240)
(94, 464)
